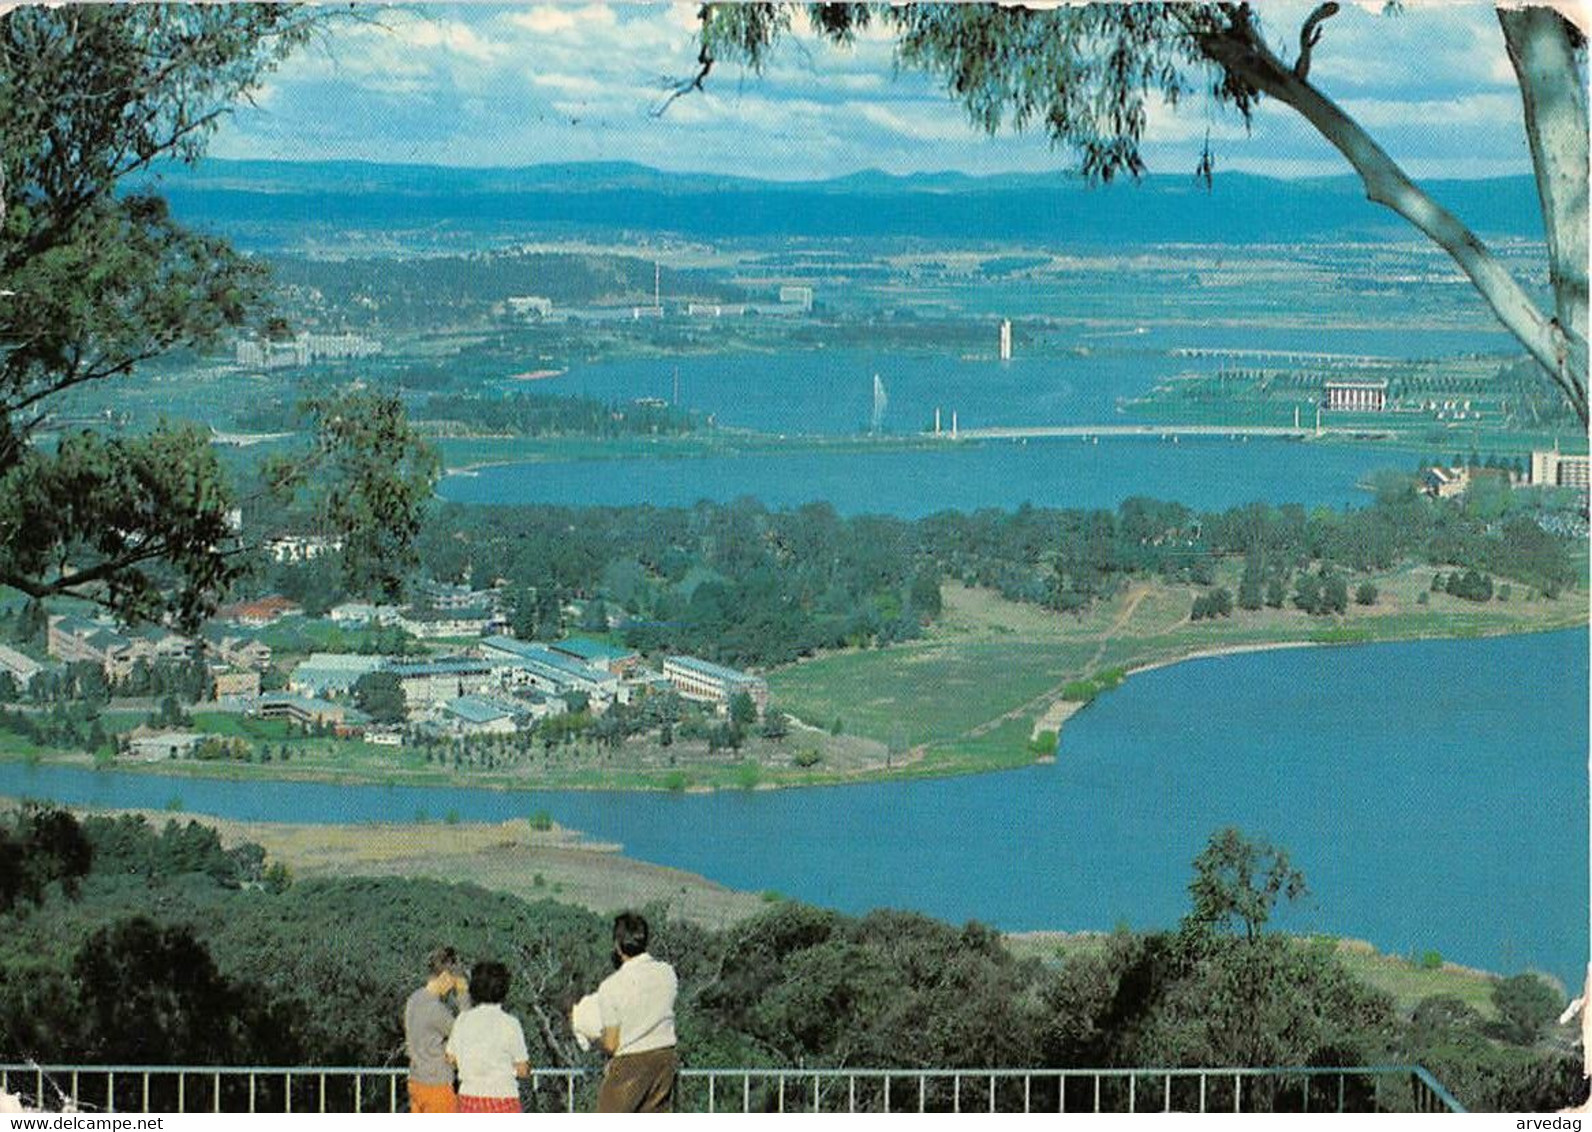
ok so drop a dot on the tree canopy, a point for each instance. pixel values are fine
(1088, 75)
(97, 277)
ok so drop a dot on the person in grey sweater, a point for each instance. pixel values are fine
(428, 1019)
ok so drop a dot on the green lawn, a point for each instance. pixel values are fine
(924, 693)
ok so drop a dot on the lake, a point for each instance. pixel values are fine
(800, 393)
(1434, 794)
(1204, 474)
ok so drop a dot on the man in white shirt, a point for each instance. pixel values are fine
(632, 1017)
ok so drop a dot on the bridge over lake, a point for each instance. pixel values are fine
(1161, 432)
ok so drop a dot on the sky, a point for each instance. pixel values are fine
(498, 85)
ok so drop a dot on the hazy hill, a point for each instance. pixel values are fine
(279, 203)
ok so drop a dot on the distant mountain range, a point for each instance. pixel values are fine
(277, 197)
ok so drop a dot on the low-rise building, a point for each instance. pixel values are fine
(242, 652)
(535, 705)
(300, 548)
(235, 684)
(74, 639)
(1445, 483)
(527, 305)
(426, 684)
(612, 659)
(153, 745)
(706, 682)
(307, 711)
(533, 665)
(797, 295)
(1355, 396)
(330, 674)
(434, 623)
(21, 667)
(481, 715)
(257, 614)
(364, 613)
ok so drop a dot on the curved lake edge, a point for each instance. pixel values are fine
(584, 872)
(917, 766)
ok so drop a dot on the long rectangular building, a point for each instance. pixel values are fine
(706, 682)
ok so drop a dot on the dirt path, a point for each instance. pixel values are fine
(1049, 710)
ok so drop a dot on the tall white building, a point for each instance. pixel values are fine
(1554, 469)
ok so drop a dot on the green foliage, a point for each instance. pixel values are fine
(315, 972)
(380, 695)
(743, 585)
(1472, 585)
(1237, 882)
(1525, 1005)
(1085, 690)
(542, 414)
(40, 846)
(1216, 603)
(743, 711)
(101, 278)
(372, 478)
(541, 821)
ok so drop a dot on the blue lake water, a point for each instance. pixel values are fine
(1204, 474)
(1434, 794)
(830, 392)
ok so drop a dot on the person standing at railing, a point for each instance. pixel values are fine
(632, 1016)
(488, 1046)
(428, 1019)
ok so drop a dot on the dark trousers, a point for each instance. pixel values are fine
(639, 1082)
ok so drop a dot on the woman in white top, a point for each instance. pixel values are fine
(488, 1046)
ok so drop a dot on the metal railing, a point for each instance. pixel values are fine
(180, 1089)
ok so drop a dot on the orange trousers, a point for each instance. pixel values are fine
(432, 1098)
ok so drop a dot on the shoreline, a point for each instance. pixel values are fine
(561, 864)
(1053, 717)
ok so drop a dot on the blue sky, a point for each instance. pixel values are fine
(495, 85)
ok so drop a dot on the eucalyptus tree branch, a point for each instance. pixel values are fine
(1557, 348)
(1310, 35)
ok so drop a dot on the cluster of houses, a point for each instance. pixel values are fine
(497, 684)
(504, 684)
(1548, 469)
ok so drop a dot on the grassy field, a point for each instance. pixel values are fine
(968, 696)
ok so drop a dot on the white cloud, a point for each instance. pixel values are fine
(448, 36)
(941, 124)
(500, 85)
(571, 84)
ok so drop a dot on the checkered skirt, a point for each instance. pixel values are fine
(489, 1104)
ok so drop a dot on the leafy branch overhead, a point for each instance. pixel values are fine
(1089, 74)
(96, 277)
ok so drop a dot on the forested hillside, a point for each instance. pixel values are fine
(232, 963)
